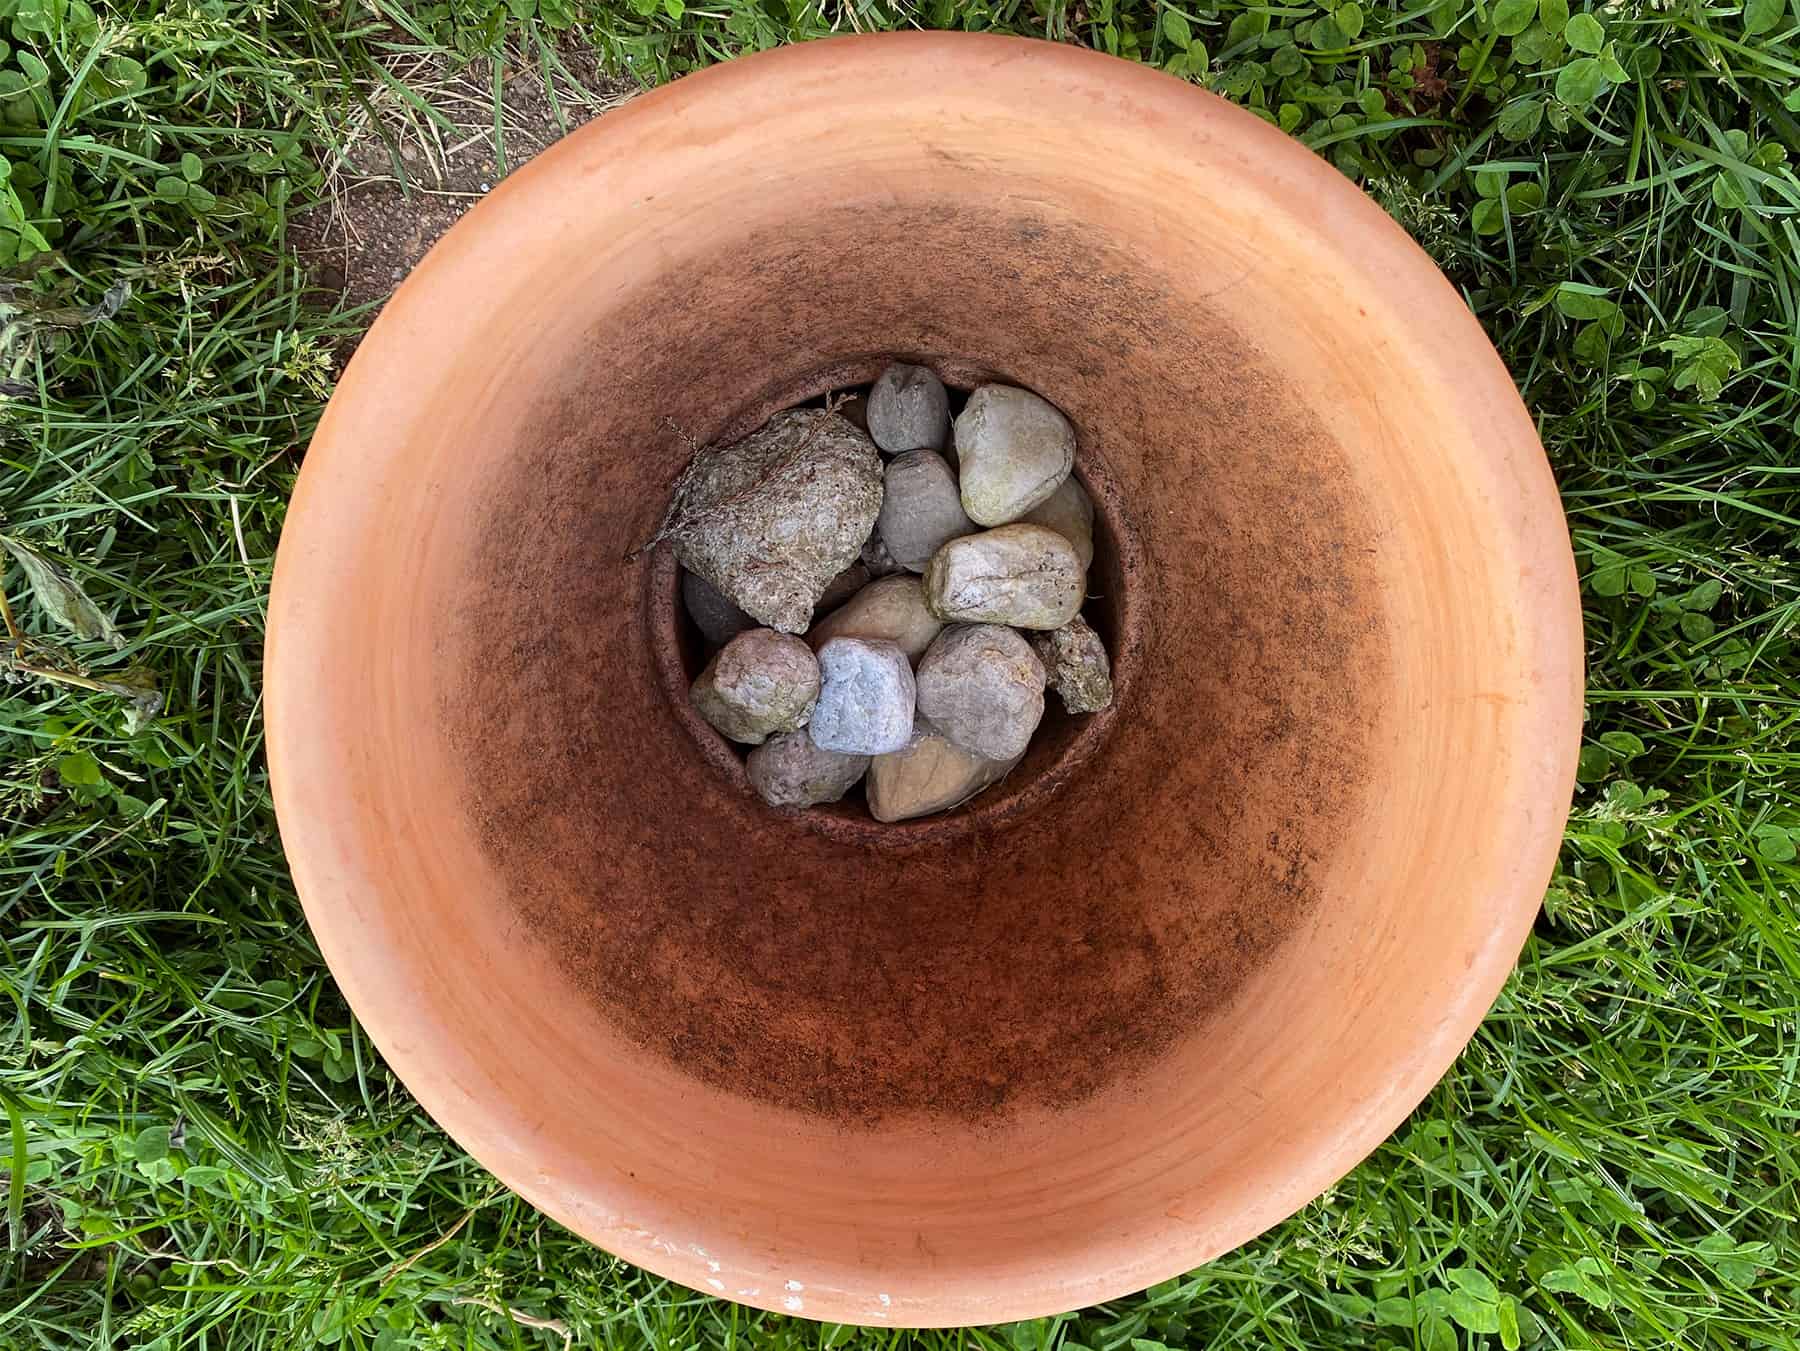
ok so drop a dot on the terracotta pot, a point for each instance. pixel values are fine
(1176, 976)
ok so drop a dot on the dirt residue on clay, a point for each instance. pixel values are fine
(401, 176)
(1049, 942)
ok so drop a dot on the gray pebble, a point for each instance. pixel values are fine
(760, 683)
(1013, 450)
(931, 774)
(920, 508)
(1023, 575)
(790, 771)
(982, 686)
(1075, 659)
(866, 697)
(1069, 511)
(772, 519)
(892, 608)
(909, 409)
(718, 620)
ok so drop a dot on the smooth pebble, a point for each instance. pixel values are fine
(791, 771)
(1024, 575)
(931, 774)
(920, 508)
(1013, 450)
(1069, 511)
(892, 608)
(982, 686)
(908, 409)
(718, 620)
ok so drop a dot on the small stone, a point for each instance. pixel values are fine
(909, 409)
(920, 508)
(771, 519)
(931, 774)
(760, 683)
(892, 608)
(1069, 511)
(866, 697)
(841, 587)
(718, 620)
(1013, 450)
(1023, 575)
(876, 558)
(982, 686)
(1078, 668)
(790, 771)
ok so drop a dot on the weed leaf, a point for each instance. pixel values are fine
(61, 595)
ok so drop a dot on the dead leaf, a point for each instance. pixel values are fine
(61, 595)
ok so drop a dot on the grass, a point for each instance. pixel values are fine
(201, 1149)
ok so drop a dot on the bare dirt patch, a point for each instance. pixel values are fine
(427, 145)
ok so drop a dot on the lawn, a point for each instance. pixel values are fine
(201, 1148)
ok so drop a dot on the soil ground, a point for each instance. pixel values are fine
(425, 147)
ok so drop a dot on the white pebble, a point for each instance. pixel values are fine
(866, 697)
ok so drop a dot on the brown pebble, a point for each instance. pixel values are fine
(789, 770)
(892, 608)
(931, 774)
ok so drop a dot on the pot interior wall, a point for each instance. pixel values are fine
(1102, 907)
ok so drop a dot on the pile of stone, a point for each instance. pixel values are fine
(894, 623)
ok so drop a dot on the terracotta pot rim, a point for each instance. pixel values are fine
(331, 875)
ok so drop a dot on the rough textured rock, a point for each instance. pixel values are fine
(909, 409)
(1013, 450)
(1023, 575)
(892, 608)
(982, 686)
(841, 587)
(790, 771)
(876, 558)
(718, 620)
(772, 519)
(1076, 663)
(931, 774)
(1069, 511)
(760, 683)
(921, 510)
(866, 697)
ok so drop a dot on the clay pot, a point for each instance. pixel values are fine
(1194, 958)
